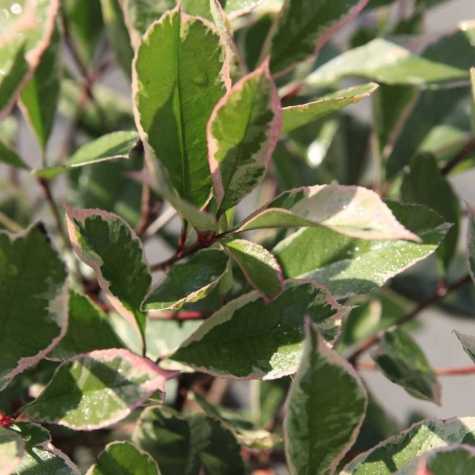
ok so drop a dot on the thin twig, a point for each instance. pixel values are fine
(81, 66)
(164, 265)
(146, 213)
(466, 152)
(44, 184)
(456, 371)
(182, 241)
(203, 242)
(439, 295)
(167, 214)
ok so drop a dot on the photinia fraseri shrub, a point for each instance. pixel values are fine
(206, 249)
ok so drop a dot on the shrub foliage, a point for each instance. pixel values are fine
(202, 215)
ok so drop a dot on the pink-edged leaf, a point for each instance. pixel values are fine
(352, 210)
(303, 114)
(138, 16)
(403, 362)
(109, 245)
(304, 26)
(12, 449)
(97, 389)
(172, 103)
(124, 458)
(250, 338)
(455, 459)
(188, 444)
(242, 133)
(236, 8)
(25, 33)
(33, 300)
(406, 446)
(188, 282)
(258, 265)
(325, 409)
(40, 456)
(40, 96)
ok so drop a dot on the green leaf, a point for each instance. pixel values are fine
(164, 336)
(97, 389)
(471, 244)
(235, 8)
(404, 363)
(40, 96)
(15, 208)
(303, 114)
(118, 34)
(391, 104)
(22, 43)
(109, 186)
(354, 266)
(189, 281)
(248, 338)
(40, 456)
(89, 329)
(32, 282)
(351, 210)
(468, 344)
(424, 184)
(106, 243)
(9, 157)
(108, 147)
(208, 9)
(396, 452)
(376, 314)
(325, 409)
(85, 25)
(12, 448)
(107, 113)
(432, 108)
(258, 265)
(270, 398)
(212, 11)
(384, 61)
(445, 461)
(244, 432)
(173, 103)
(123, 458)
(113, 146)
(199, 219)
(303, 27)
(140, 15)
(242, 133)
(187, 445)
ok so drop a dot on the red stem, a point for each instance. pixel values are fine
(440, 294)
(462, 371)
(181, 315)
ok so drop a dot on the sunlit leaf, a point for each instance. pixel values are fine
(185, 89)
(223, 345)
(96, 390)
(396, 452)
(123, 458)
(325, 409)
(32, 271)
